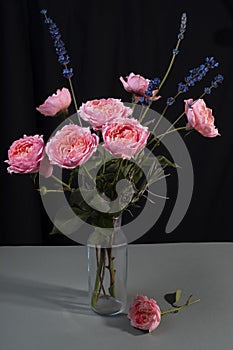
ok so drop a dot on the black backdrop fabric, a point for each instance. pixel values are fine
(106, 40)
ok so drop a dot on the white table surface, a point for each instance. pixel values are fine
(43, 299)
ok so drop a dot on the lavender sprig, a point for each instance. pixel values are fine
(59, 45)
(214, 84)
(63, 57)
(175, 51)
(195, 76)
(153, 85)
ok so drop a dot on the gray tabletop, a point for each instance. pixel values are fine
(43, 298)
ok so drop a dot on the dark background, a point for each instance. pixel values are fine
(106, 40)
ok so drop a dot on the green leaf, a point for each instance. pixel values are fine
(136, 206)
(76, 199)
(102, 220)
(106, 177)
(126, 170)
(137, 175)
(111, 165)
(178, 295)
(166, 162)
(173, 298)
(55, 231)
(73, 175)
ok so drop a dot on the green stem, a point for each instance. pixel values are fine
(170, 66)
(178, 308)
(163, 114)
(102, 273)
(170, 131)
(166, 107)
(142, 115)
(104, 164)
(164, 78)
(61, 182)
(88, 174)
(74, 98)
(167, 132)
(133, 107)
(202, 95)
(119, 169)
(97, 289)
(112, 272)
(47, 191)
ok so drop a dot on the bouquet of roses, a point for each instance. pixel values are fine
(106, 142)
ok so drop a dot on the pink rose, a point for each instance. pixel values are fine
(137, 85)
(46, 168)
(144, 313)
(100, 112)
(57, 102)
(200, 118)
(25, 155)
(71, 146)
(125, 137)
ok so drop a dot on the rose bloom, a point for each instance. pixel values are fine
(137, 85)
(144, 313)
(71, 146)
(200, 118)
(58, 102)
(25, 155)
(125, 137)
(99, 112)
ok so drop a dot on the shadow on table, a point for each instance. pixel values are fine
(33, 293)
(21, 291)
(122, 322)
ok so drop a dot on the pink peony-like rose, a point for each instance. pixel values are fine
(71, 146)
(56, 103)
(25, 155)
(137, 85)
(144, 313)
(200, 118)
(125, 137)
(100, 112)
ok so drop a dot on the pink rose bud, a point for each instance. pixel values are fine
(144, 313)
(25, 155)
(71, 146)
(125, 137)
(58, 102)
(99, 112)
(137, 85)
(200, 118)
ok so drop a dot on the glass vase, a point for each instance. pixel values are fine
(107, 270)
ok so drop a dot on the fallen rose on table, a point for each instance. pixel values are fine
(145, 313)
